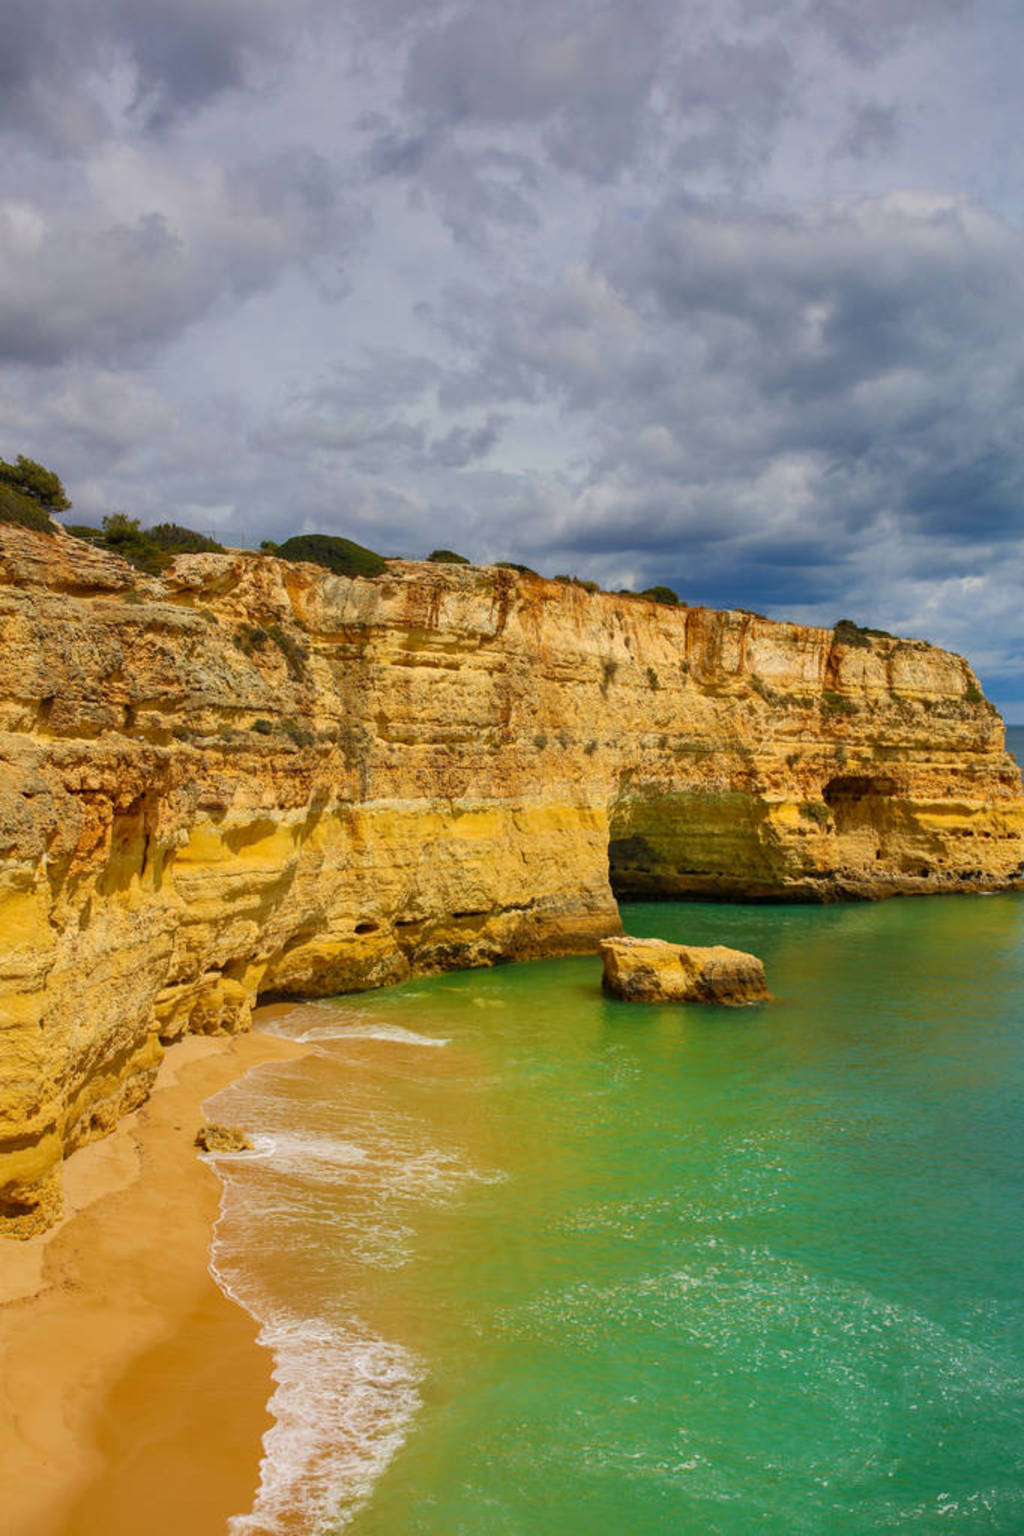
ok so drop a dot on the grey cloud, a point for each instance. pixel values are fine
(872, 129)
(733, 97)
(93, 285)
(776, 391)
(465, 445)
(181, 56)
(865, 29)
(584, 71)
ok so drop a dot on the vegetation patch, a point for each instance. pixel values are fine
(838, 703)
(762, 688)
(816, 811)
(513, 565)
(340, 556)
(447, 557)
(30, 495)
(15, 507)
(149, 549)
(846, 632)
(250, 639)
(295, 655)
(663, 595)
(298, 733)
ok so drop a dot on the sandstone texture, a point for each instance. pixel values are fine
(653, 971)
(222, 1138)
(250, 777)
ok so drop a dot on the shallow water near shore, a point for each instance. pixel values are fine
(532, 1260)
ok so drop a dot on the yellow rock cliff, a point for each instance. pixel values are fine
(252, 777)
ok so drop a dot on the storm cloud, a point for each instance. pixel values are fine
(729, 297)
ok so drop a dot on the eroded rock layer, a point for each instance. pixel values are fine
(253, 777)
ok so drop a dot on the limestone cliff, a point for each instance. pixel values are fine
(251, 776)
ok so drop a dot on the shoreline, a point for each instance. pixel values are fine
(129, 1381)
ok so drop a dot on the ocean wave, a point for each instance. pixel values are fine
(342, 1402)
(310, 1024)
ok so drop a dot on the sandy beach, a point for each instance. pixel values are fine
(132, 1391)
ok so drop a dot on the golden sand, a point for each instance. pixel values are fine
(132, 1391)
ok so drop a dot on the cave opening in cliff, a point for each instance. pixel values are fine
(858, 801)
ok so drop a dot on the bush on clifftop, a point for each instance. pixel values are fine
(30, 494)
(447, 557)
(846, 632)
(341, 556)
(148, 549)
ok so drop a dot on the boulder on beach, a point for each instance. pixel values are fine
(654, 971)
(222, 1138)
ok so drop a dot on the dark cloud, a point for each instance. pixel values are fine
(872, 129)
(579, 283)
(465, 445)
(180, 55)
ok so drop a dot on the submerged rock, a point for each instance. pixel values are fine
(222, 1138)
(654, 971)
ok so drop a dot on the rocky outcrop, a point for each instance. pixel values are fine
(222, 1138)
(653, 971)
(251, 777)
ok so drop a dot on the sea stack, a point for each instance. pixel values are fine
(653, 971)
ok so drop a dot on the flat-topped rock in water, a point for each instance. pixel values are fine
(654, 971)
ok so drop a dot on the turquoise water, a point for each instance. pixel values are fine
(536, 1262)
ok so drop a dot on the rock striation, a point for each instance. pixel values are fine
(250, 777)
(654, 971)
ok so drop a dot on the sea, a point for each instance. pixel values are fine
(532, 1262)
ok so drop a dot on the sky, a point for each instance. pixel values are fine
(726, 295)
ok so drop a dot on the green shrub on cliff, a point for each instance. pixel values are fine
(30, 479)
(447, 557)
(341, 556)
(661, 595)
(816, 811)
(17, 508)
(30, 494)
(148, 549)
(846, 632)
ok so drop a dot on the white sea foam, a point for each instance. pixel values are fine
(313, 1024)
(374, 1031)
(303, 1216)
(342, 1401)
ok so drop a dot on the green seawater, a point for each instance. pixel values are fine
(601, 1269)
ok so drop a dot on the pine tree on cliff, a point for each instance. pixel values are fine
(30, 494)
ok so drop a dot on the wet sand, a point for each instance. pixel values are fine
(132, 1391)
